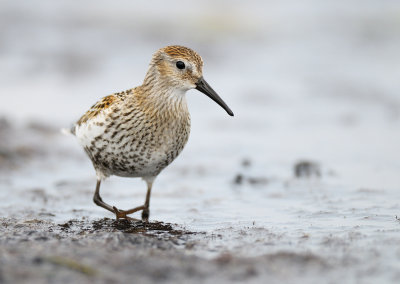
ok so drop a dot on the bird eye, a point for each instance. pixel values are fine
(180, 65)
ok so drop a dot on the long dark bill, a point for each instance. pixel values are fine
(206, 89)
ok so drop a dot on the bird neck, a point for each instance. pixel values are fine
(161, 92)
(162, 99)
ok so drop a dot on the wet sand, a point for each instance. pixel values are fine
(104, 251)
(54, 233)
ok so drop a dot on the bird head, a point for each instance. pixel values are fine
(180, 68)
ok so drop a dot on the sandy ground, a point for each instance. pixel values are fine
(302, 185)
(300, 229)
(109, 251)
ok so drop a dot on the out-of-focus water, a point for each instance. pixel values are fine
(306, 80)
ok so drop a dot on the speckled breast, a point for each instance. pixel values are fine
(136, 147)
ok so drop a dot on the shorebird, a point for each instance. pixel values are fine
(140, 131)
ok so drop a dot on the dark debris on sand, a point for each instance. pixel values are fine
(245, 178)
(155, 229)
(306, 169)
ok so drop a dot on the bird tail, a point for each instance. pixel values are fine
(70, 131)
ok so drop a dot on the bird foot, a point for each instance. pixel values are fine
(121, 214)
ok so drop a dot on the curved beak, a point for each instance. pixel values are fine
(206, 89)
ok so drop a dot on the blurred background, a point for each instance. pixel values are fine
(313, 81)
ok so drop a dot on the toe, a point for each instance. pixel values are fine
(119, 213)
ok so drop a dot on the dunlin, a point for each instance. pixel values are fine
(138, 132)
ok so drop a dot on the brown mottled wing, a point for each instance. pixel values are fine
(103, 104)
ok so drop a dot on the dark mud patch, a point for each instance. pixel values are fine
(306, 169)
(241, 179)
(245, 178)
(155, 229)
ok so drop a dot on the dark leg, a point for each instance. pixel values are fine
(145, 207)
(99, 201)
(123, 213)
(146, 211)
